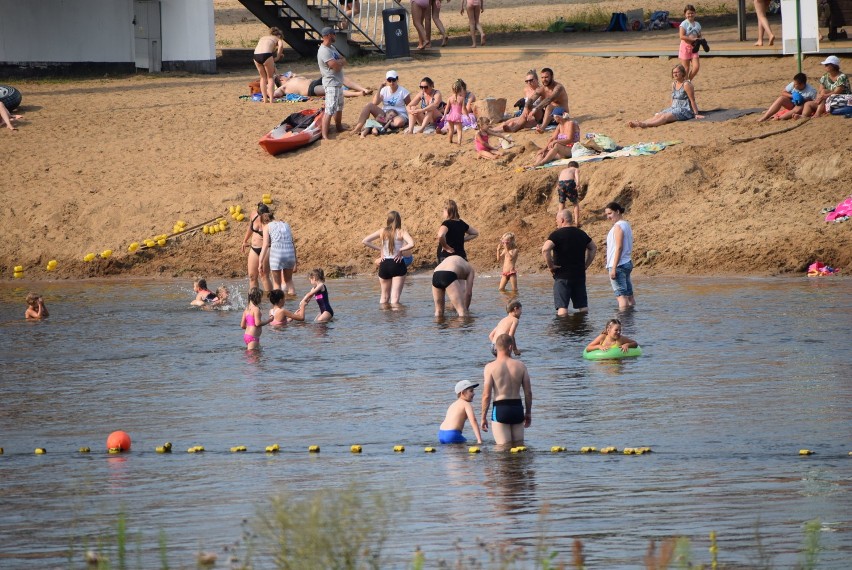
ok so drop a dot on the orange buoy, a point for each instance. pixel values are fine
(118, 440)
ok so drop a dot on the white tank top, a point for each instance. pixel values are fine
(626, 245)
(398, 243)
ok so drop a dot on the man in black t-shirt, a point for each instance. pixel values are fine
(568, 252)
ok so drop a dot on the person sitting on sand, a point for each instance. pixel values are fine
(792, 98)
(289, 84)
(8, 117)
(563, 138)
(392, 96)
(485, 149)
(549, 96)
(834, 82)
(425, 108)
(683, 105)
(379, 125)
(528, 118)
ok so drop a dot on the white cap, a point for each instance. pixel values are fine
(832, 59)
(395, 75)
(463, 385)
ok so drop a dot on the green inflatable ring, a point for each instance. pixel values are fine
(612, 353)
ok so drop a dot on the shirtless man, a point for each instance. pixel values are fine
(299, 85)
(527, 119)
(453, 276)
(505, 379)
(548, 97)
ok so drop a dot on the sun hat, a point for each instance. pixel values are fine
(391, 74)
(832, 59)
(463, 385)
(328, 30)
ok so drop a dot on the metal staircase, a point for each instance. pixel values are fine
(302, 20)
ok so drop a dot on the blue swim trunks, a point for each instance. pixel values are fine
(451, 436)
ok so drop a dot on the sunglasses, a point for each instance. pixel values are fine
(392, 78)
(424, 87)
(528, 80)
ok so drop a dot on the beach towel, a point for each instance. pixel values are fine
(719, 115)
(638, 149)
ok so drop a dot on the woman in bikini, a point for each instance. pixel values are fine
(563, 138)
(253, 242)
(269, 49)
(425, 107)
(474, 9)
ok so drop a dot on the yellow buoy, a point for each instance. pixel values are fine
(473, 449)
(267, 201)
(610, 449)
(223, 225)
(355, 449)
(133, 246)
(40, 451)
(238, 209)
(161, 242)
(267, 195)
(429, 449)
(313, 449)
(114, 450)
(514, 450)
(805, 452)
(274, 448)
(88, 257)
(18, 269)
(17, 274)
(106, 253)
(162, 449)
(84, 450)
(557, 449)
(238, 449)
(232, 210)
(195, 449)
(240, 217)
(181, 223)
(399, 448)
(51, 265)
(588, 449)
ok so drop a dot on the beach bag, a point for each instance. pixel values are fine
(491, 108)
(579, 150)
(618, 22)
(604, 143)
(302, 119)
(254, 87)
(838, 101)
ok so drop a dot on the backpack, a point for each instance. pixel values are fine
(618, 22)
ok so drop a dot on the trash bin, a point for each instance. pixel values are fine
(396, 32)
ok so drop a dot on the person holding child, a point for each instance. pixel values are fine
(460, 411)
(792, 99)
(507, 253)
(391, 97)
(36, 310)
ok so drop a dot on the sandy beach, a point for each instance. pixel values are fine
(99, 163)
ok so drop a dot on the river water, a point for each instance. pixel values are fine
(738, 375)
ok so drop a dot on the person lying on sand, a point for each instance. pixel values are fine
(289, 84)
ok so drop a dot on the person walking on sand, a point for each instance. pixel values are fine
(619, 248)
(474, 8)
(503, 381)
(549, 96)
(568, 252)
(331, 64)
(453, 276)
(269, 49)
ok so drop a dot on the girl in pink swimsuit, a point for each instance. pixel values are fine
(483, 147)
(252, 321)
(453, 113)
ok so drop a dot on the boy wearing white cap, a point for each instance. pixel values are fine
(458, 412)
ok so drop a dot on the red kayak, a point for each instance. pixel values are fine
(297, 130)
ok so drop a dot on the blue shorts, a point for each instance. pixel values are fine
(451, 436)
(622, 285)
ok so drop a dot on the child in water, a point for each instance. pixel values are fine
(610, 337)
(459, 411)
(507, 252)
(203, 295)
(222, 297)
(568, 186)
(280, 315)
(319, 292)
(507, 325)
(252, 321)
(36, 310)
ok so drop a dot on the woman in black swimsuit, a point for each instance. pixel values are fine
(453, 233)
(253, 242)
(269, 49)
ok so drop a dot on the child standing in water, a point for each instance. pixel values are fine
(458, 412)
(568, 187)
(252, 322)
(483, 147)
(610, 337)
(36, 310)
(319, 292)
(507, 252)
(507, 325)
(280, 315)
(453, 114)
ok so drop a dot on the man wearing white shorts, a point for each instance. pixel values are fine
(331, 64)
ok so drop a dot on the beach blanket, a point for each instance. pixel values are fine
(719, 115)
(638, 149)
(291, 98)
